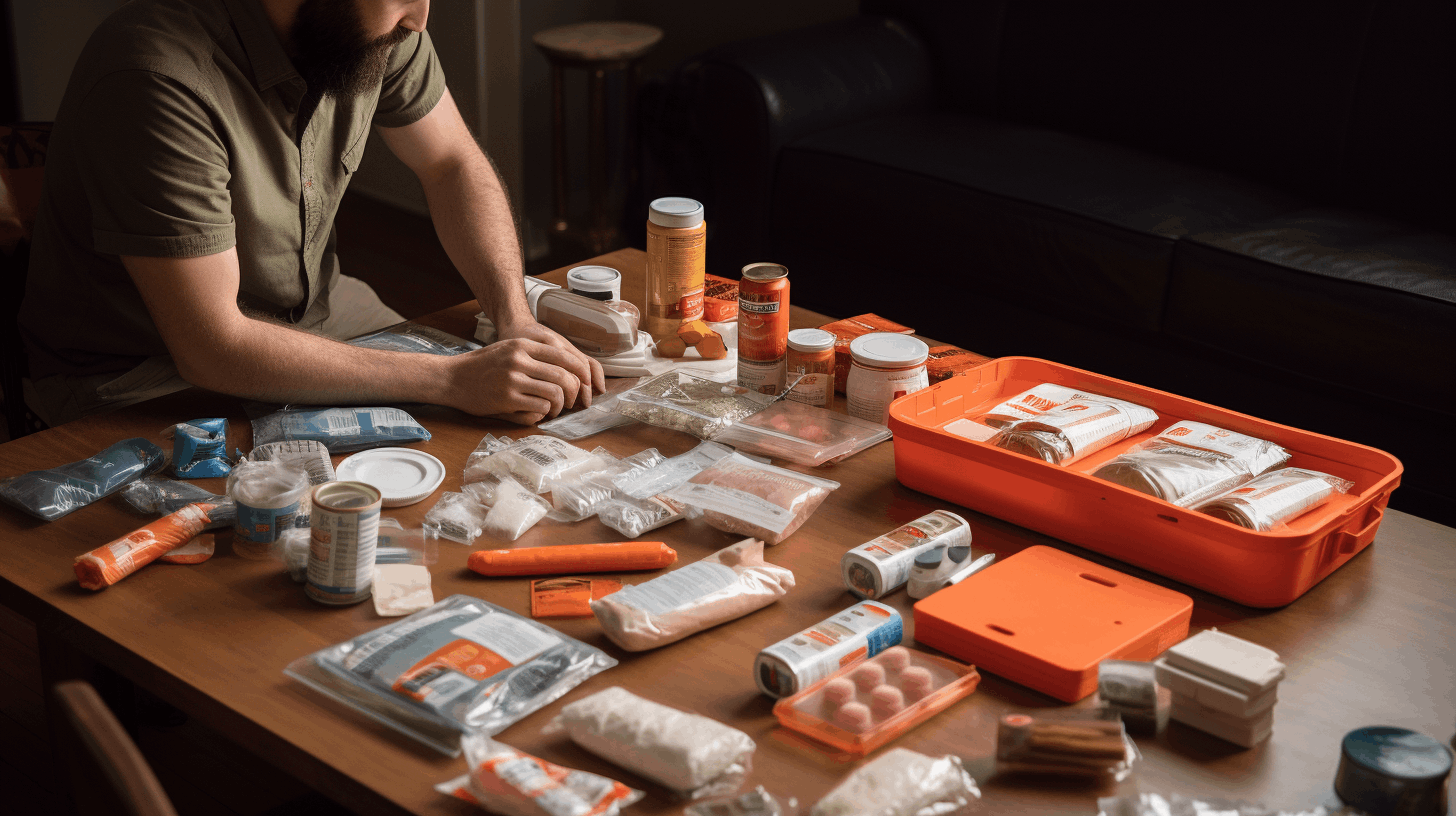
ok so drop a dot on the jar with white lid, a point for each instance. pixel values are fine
(883, 368)
(811, 359)
(595, 282)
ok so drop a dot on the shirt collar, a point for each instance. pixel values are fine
(270, 62)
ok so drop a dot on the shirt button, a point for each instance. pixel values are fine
(308, 184)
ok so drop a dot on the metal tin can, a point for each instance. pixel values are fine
(811, 359)
(877, 568)
(344, 532)
(859, 632)
(885, 367)
(677, 245)
(763, 327)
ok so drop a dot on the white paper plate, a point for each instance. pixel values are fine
(403, 475)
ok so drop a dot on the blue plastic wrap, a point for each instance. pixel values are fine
(199, 449)
(51, 494)
(340, 429)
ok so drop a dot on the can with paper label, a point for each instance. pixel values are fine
(859, 632)
(877, 568)
(342, 539)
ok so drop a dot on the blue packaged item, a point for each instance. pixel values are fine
(341, 429)
(51, 494)
(199, 449)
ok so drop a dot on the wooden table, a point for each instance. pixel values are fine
(1370, 645)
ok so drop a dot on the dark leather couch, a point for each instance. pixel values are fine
(1248, 203)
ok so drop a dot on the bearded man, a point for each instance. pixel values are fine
(186, 233)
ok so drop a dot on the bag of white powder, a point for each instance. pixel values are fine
(901, 783)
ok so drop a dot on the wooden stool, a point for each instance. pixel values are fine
(597, 48)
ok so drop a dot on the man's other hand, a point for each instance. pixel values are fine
(585, 368)
(520, 380)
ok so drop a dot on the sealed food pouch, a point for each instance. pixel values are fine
(901, 782)
(803, 434)
(199, 448)
(738, 495)
(726, 585)
(535, 461)
(461, 666)
(476, 468)
(51, 494)
(1190, 462)
(513, 511)
(1033, 402)
(506, 781)
(108, 564)
(1270, 502)
(688, 753)
(343, 430)
(459, 517)
(1075, 429)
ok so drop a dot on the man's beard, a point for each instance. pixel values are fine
(334, 54)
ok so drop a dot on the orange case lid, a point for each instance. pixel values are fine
(1045, 619)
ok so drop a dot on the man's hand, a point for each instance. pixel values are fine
(519, 380)
(586, 370)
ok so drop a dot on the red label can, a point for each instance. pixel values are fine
(763, 327)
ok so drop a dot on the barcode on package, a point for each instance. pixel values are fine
(677, 589)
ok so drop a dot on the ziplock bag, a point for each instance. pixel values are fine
(158, 496)
(645, 482)
(513, 511)
(578, 496)
(51, 494)
(684, 402)
(691, 754)
(1081, 742)
(724, 586)
(633, 517)
(1153, 804)
(475, 469)
(1269, 502)
(199, 448)
(757, 802)
(601, 416)
(457, 517)
(738, 495)
(901, 782)
(1190, 462)
(803, 434)
(341, 429)
(509, 782)
(414, 338)
(462, 665)
(535, 461)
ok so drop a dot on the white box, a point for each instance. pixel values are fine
(1245, 732)
(1247, 668)
(1215, 696)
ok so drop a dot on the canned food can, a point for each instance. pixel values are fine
(859, 632)
(342, 538)
(763, 327)
(877, 568)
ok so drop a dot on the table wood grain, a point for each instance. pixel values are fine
(1372, 644)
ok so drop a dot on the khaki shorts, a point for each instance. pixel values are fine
(354, 309)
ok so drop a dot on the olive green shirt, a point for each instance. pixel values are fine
(186, 130)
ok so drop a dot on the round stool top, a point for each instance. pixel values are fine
(598, 42)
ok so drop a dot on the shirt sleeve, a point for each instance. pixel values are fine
(154, 168)
(413, 83)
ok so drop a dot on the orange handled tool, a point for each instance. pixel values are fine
(112, 562)
(573, 558)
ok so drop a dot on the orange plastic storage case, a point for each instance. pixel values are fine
(1253, 568)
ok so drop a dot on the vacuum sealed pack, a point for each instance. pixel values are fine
(901, 782)
(692, 755)
(1074, 429)
(343, 430)
(726, 585)
(535, 461)
(1031, 403)
(601, 416)
(199, 448)
(1081, 742)
(803, 434)
(416, 339)
(633, 517)
(1190, 462)
(463, 665)
(158, 496)
(738, 495)
(1272, 500)
(509, 782)
(59, 491)
(691, 404)
(457, 517)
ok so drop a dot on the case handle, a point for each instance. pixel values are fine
(1349, 542)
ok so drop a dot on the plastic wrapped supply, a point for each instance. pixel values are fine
(803, 434)
(51, 494)
(1273, 500)
(509, 782)
(199, 448)
(566, 559)
(475, 467)
(292, 549)
(535, 461)
(1130, 688)
(416, 339)
(312, 456)
(601, 416)
(579, 496)
(739, 495)
(662, 476)
(634, 517)
(688, 753)
(1190, 462)
(342, 429)
(515, 511)
(901, 783)
(456, 517)
(462, 665)
(723, 586)
(1155, 804)
(569, 597)
(1083, 742)
(199, 549)
(599, 328)
(691, 404)
(158, 496)
(112, 562)
(1032, 403)
(1074, 429)
(757, 802)
(271, 497)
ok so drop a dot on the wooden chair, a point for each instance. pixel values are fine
(107, 772)
(22, 169)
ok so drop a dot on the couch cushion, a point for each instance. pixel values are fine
(1076, 227)
(1357, 302)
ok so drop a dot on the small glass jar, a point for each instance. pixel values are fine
(811, 354)
(883, 368)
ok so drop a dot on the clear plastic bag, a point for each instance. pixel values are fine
(509, 782)
(463, 665)
(601, 416)
(691, 404)
(475, 468)
(1154, 804)
(757, 802)
(270, 497)
(534, 461)
(514, 511)
(1081, 742)
(457, 517)
(54, 493)
(398, 545)
(312, 456)
(688, 753)
(738, 495)
(1190, 462)
(199, 448)
(633, 517)
(803, 434)
(342, 429)
(159, 496)
(579, 496)
(292, 549)
(901, 782)
(1074, 429)
(722, 587)
(1271, 501)
(1033, 402)
(643, 483)
(417, 339)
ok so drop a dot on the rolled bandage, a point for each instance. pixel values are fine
(108, 564)
(566, 559)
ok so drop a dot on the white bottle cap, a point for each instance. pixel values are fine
(885, 350)
(595, 280)
(811, 340)
(677, 213)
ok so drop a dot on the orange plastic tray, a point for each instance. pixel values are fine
(1046, 619)
(1253, 568)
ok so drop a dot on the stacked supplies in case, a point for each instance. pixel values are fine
(1223, 685)
(1269, 502)
(1190, 462)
